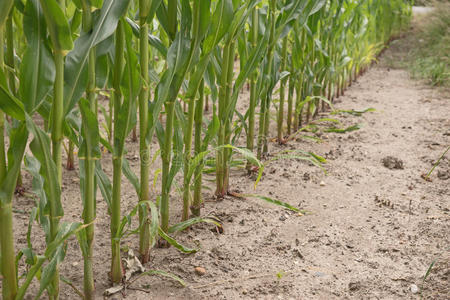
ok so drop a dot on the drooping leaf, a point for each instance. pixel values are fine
(344, 130)
(273, 201)
(130, 175)
(104, 184)
(174, 243)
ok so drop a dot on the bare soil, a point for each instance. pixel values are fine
(370, 232)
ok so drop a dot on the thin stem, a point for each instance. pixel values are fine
(2, 120)
(253, 87)
(116, 262)
(190, 124)
(89, 169)
(9, 59)
(290, 100)
(222, 107)
(70, 156)
(9, 285)
(9, 281)
(57, 112)
(57, 137)
(166, 157)
(228, 131)
(144, 151)
(196, 206)
(268, 97)
(282, 92)
(187, 158)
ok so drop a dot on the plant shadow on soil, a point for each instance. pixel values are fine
(350, 244)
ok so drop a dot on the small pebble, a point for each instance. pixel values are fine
(200, 271)
(322, 183)
(414, 289)
(245, 292)
(319, 274)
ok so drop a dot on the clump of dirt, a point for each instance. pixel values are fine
(392, 163)
(443, 175)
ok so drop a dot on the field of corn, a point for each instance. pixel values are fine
(138, 117)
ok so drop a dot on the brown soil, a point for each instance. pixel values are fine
(370, 232)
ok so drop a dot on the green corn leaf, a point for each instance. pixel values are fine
(177, 160)
(8, 103)
(160, 134)
(197, 76)
(57, 24)
(40, 147)
(130, 89)
(48, 273)
(327, 120)
(240, 16)
(170, 83)
(104, 184)
(174, 243)
(37, 70)
(5, 7)
(75, 71)
(106, 144)
(130, 175)
(188, 223)
(181, 119)
(249, 156)
(344, 130)
(205, 19)
(162, 16)
(211, 132)
(18, 141)
(154, 225)
(255, 57)
(196, 161)
(65, 231)
(33, 216)
(82, 241)
(102, 71)
(353, 112)
(430, 267)
(221, 22)
(321, 159)
(89, 132)
(273, 201)
(33, 167)
(155, 4)
(34, 270)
